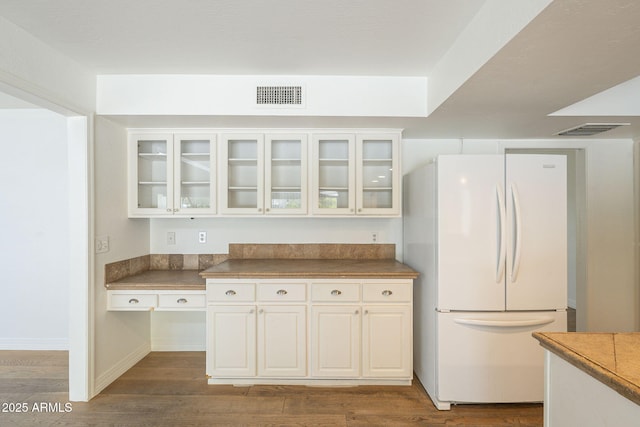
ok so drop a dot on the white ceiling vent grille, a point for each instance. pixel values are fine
(589, 129)
(279, 95)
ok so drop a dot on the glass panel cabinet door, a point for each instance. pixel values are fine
(378, 176)
(242, 181)
(194, 174)
(334, 174)
(150, 169)
(286, 174)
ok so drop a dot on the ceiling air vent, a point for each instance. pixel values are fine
(279, 95)
(589, 129)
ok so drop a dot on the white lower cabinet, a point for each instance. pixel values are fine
(357, 331)
(282, 341)
(231, 341)
(335, 346)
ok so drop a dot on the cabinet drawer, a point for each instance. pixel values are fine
(182, 301)
(133, 302)
(282, 292)
(231, 292)
(335, 292)
(386, 292)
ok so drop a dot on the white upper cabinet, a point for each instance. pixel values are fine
(378, 176)
(356, 174)
(241, 174)
(171, 174)
(286, 174)
(334, 174)
(277, 173)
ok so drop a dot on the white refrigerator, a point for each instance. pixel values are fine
(488, 235)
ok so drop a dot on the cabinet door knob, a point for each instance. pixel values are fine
(261, 311)
(133, 301)
(359, 209)
(168, 210)
(230, 292)
(357, 312)
(251, 311)
(181, 301)
(336, 292)
(366, 312)
(386, 292)
(281, 292)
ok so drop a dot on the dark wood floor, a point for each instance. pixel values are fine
(169, 389)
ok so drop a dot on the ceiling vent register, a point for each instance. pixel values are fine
(279, 95)
(589, 129)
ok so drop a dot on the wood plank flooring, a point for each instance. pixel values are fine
(169, 389)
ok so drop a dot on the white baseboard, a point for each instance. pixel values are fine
(34, 344)
(172, 345)
(121, 367)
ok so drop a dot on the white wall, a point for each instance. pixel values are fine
(121, 338)
(34, 195)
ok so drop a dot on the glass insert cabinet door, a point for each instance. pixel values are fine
(242, 179)
(334, 174)
(378, 174)
(151, 167)
(172, 174)
(285, 174)
(194, 173)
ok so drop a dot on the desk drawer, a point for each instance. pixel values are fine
(132, 301)
(179, 301)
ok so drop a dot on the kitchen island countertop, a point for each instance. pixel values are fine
(611, 358)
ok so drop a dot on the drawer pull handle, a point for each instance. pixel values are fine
(133, 301)
(336, 292)
(386, 292)
(181, 301)
(281, 292)
(230, 292)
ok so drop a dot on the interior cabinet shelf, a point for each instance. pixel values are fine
(151, 155)
(152, 182)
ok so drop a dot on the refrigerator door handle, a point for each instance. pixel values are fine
(501, 253)
(539, 321)
(517, 233)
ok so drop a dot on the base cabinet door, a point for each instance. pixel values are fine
(231, 341)
(386, 342)
(335, 344)
(282, 341)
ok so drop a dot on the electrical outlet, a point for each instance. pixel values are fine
(202, 237)
(171, 237)
(102, 244)
(374, 237)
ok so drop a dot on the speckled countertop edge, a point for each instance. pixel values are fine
(552, 341)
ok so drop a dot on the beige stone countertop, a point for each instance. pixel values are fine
(310, 268)
(611, 358)
(161, 280)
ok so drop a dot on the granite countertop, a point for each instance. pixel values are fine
(161, 280)
(310, 268)
(611, 358)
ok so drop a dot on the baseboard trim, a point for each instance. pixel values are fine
(121, 367)
(171, 345)
(34, 344)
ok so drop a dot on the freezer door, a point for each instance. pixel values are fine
(492, 357)
(536, 188)
(470, 232)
